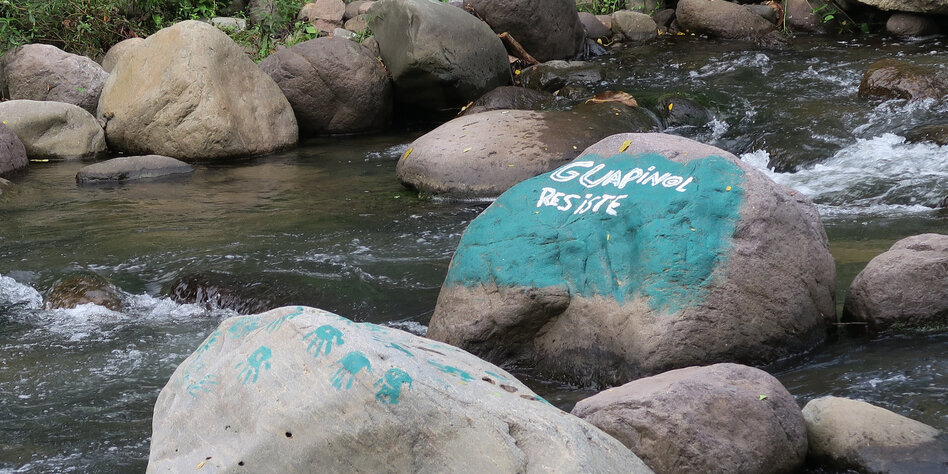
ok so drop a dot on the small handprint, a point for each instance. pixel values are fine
(391, 386)
(251, 368)
(278, 323)
(323, 339)
(350, 365)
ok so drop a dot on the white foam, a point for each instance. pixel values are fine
(16, 294)
(413, 327)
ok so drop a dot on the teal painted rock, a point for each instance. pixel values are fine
(299, 389)
(646, 253)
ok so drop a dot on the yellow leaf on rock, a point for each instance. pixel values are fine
(670, 107)
(467, 149)
(625, 145)
(407, 152)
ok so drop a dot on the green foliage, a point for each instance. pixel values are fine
(602, 7)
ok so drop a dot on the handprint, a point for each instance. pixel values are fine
(323, 336)
(350, 365)
(278, 323)
(259, 358)
(391, 384)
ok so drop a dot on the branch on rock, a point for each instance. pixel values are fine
(517, 50)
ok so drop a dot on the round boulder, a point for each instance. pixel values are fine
(511, 97)
(334, 85)
(299, 389)
(904, 287)
(593, 27)
(720, 19)
(719, 418)
(634, 26)
(190, 92)
(912, 24)
(54, 130)
(482, 155)
(132, 168)
(449, 59)
(896, 79)
(116, 52)
(647, 253)
(547, 30)
(12, 152)
(84, 288)
(850, 434)
(679, 110)
(45, 72)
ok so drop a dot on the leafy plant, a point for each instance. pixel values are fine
(602, 7)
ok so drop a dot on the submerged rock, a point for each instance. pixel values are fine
(648, 252)
(547, 30)
(45, 72)
(511, 97)
(554, 75)
(896, 79)
(937, 134)
(677, 110)
(84, 288)
(720, 418)
(904, 287)
(850, 434)
(721, 19)
(12, 151)
(132, 168)
(300, 389)
(54, 130)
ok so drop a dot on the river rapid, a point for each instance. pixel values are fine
(330, 226)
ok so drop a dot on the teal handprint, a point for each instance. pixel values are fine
(350, 365)
(251, 368)
(202, 386)
(209, 342)
(278, 323)
(323, 337)
(464, 376)
(244, 325)
(391, 384)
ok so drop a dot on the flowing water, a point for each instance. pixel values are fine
(328, 225)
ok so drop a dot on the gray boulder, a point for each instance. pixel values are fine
(190, 92)
(482, 155)
(547, 30)
(719, 418)
(801, 17)
(299, 389)
(115, 53)
(850, 434)
(54, 130)
(449, 59)
(938, 7)
(648, 252)
(352, 9)
(904, 287)
(896, 79)
(511, 97)
(634, 26)
(132, 168)
(764, 11)
(12, 152)
(552, 76)
(45, 72)
(334, 86)
(913, 24)
(721, 19)
(593, 27)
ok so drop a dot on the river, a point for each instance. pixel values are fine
(328, 225)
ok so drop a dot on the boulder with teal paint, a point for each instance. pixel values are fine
(646, 253)
(298, 389)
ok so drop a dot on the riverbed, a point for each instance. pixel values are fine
(330, 226)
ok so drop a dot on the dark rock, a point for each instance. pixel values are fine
(913, 24)
(720, 19)
(718, 264)
(764, 11)
(45, 72)
(720, 418)
(215, 290)
(482, 155)
(896, 79)
(54, 130)
(593, 27)
(115, 53)
(663, 18)
(677, 110)
(84, 288)
(132, 168)
(634, 26)
(547, 30)
(853, 435)
(299, 389)
(449, 59)
(12, 152)
(554, 75)
(511, 97)
(334, 85)
(937, 134)
(937, 7)
(801, 17)
(904, 287)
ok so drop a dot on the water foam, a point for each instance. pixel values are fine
(17, 295)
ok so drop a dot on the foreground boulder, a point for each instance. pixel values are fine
(721, 19)
(12, 151)
(482, 155)
(550, 31)
(84, 288)
(648, 252)
(720, 418)
(190, 92)
(850, 434)
(132, 168)
(334, 86)
(896, 79)
(53, 130)
(116, 52)
(299, 389)
(45, 72)
(904, 287)
(449, 59)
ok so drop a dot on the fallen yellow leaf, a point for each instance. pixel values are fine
(407, 152)
(467, 149)
(625, 145)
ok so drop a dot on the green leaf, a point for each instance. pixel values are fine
(829, 17)
(311, 29)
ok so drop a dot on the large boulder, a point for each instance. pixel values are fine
(53, 130)
(482, 155)
(547, 29)
(720, 418)
(334, 86)
(854, 435)
(938, 7)
(913, 24)
(634, 26)
(115, 53)
(12, 152)
(132, 168)
(45, 72)
(299, 389)
(648, 252)
(721, 19)
(896, 79)
(904, 287)
(593, 27)
(440, 57)
(190, 92)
